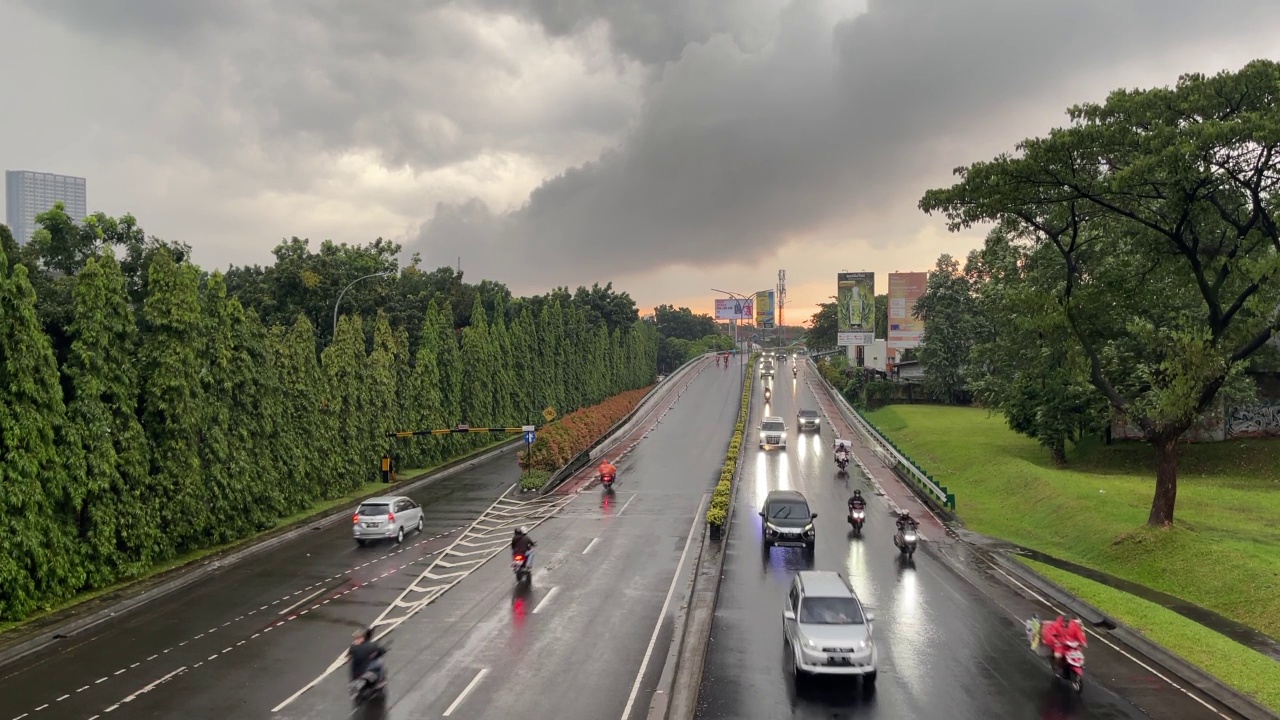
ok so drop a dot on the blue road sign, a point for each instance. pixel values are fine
(529, 437)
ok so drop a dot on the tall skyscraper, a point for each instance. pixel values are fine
(27, 194)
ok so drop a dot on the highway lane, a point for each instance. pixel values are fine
(949, 641)
(242, 610)
(573, 644)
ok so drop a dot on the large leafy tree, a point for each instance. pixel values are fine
(948, 310)
(1023, 360)
(37, 563)
(174, 410)
(1161, 207)
(824, 328)
(103, 444)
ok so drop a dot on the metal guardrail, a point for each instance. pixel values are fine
(584, 458)
(885, 449)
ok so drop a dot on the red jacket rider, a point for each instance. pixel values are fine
(608, 470)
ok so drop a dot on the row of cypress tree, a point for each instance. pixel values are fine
(184, 422)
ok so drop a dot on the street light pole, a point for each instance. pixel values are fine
(344, 292)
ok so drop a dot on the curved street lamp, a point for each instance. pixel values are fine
(337, 302)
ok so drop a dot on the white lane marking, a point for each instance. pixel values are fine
(542, 603)
(101, 679)
(26, 714)
(590, 545)
(1141, 664)
(64, 697)
(148, 688)
(471, 686)
(662, 614)
(625, 505)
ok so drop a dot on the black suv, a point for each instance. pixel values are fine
(808, 420)
(788, 522)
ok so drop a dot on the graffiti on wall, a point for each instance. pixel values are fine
(1260, 419)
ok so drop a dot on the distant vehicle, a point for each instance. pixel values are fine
(808, 420)
(801, 352)
(828, 629)
(773, 433)
(788, 521)
(383, 518)
(766, 368)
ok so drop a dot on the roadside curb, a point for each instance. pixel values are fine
(1211, 686)
(686, 661)
(144, 591)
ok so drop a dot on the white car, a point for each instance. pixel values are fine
(828, 629)
(386, 518)
(773, 433)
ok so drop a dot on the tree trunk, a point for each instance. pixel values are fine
(1058, 451)
(1166, 447)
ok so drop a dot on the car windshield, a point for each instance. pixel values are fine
(830, 611)
(371, 510)
(788, 511)
(774, 426)
(808, 413)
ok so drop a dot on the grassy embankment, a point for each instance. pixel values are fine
(317, 509)
(1220, 554)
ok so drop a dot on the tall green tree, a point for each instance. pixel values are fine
(311, 433)
(824, 327)
(948, 310)
(1161, 207)
(103, 445)
(479, 367)
(37, 562)
(173, 403)
(346, 370)
(383, 386)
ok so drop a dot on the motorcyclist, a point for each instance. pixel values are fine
(1074, 632)
(366, 654)
(521, 543)
(607, 469)
(842, 452)
(857, 502)
(906, 522)
(1052, 635)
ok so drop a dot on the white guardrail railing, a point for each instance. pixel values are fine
(884, 448)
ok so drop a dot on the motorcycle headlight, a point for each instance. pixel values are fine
(910, 537)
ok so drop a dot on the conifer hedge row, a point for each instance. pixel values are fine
(185, 422)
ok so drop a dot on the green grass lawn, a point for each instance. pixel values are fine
(1223, 552)
(1246, 670)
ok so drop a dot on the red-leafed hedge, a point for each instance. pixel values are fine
(561, 440)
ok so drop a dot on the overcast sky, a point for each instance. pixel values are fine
(670, 146)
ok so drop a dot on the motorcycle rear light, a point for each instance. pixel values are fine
(519, 558)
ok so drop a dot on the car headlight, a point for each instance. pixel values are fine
(808, 644)
(808, 528)
(761, 437)
(863, 645)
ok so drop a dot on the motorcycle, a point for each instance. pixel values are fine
(905, 540)
(768, 395)
(842, 462)
(521, 566)
(607, 481)
(1071, 670)
(371, 685)
(793, 372)
(856, 518)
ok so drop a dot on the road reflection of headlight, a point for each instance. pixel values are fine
(762, 479)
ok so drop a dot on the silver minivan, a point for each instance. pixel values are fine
(827, 628)
(386, 518)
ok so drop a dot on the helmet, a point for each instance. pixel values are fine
(522, 530)
(857, 493)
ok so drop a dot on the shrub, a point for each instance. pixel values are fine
(561, 440)
(534, 479)
(718, 513)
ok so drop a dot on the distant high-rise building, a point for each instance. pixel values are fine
(27, 194)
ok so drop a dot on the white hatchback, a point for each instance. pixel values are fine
(386, 518)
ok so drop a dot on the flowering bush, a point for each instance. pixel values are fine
(561, 440)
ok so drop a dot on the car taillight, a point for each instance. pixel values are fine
(355, 519)
(391, 517)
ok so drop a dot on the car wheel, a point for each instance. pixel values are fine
(399, 535)
(869, 680)
(420, 524)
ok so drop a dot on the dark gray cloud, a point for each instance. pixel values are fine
(738, 149)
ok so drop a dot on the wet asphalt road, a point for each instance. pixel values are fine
(230, 632)
(572, 645)
(949, 644)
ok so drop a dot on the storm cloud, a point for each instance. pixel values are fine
(567, 141)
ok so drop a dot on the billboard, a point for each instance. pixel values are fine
(734, 309)
(856, 308)
(905, 329)
(764, 309)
